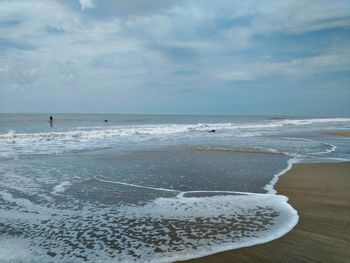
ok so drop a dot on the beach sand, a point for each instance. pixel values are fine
(340, 133)
(321, 195)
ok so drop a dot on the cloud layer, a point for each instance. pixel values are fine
(175, 56)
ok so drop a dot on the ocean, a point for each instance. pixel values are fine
(150, 188)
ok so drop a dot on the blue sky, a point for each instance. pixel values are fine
(184, 56)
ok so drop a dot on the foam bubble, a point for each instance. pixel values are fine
(153, 232)
(270, 186)
(137, 186)
(99, 132)
(100, 136)
(313, 121)
(58, 189)
(19, 250)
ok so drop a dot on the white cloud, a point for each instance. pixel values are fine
(136, 50)
(295, 68)
(299, 16)
(235, 75)
(86, 4)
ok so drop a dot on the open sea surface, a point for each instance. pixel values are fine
(150, 188)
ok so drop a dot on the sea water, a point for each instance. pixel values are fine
(150, 188)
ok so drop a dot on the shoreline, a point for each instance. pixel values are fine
(319, 192)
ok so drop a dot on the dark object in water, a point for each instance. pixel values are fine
(212, 131)
(51, 121)
(106, 120)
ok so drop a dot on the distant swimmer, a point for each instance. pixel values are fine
(106, 120)
(51, 121)
(212, 131)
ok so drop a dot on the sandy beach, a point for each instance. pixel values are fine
(340, 133)
(320, 193)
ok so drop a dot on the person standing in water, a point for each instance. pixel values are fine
(51, 121)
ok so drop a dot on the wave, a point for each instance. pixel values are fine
(60, 188)
(99, 132)
(78, 139)
(313, 121)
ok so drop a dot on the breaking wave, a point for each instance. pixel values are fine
(85, 138)
(99, 132)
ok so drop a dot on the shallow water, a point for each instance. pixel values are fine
(143, 188)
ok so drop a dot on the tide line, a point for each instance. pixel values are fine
(138, 186)
(332, 147)
(180, 193)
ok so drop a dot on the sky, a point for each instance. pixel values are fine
(175, 57)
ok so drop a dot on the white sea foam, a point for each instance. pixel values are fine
(270, 186)
(329, 147)
(13, 144)
(98, 132)
(21, 202)
(298, 158)
(58, 189)
(271, 214)
(288, 220)
(181, 194)
(17, 250)
(312, 121)
(137, 186)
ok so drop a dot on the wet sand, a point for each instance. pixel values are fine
(340, 133)
(321, 194)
